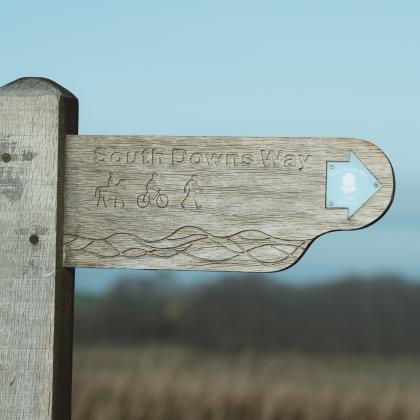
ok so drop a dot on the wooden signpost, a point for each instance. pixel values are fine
(188, 203)
(214, 203)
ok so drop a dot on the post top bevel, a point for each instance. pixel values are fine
(35, 86)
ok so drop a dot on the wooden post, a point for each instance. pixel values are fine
(220, 203)
(36, 293)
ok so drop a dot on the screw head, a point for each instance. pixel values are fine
(34, 239)
(332, 166)
(376, 185)
(330, 203)
(6, 158)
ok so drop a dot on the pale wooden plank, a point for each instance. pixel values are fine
(256, 203)
(36, 293)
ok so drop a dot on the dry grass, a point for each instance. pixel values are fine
(173, 383)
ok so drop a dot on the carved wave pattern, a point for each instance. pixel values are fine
(192, 242)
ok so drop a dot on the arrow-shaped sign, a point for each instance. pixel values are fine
(350, 185)
(212, 203)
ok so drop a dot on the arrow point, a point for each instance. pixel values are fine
(350, 184)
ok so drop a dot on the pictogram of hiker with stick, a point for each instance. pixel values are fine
(191, 189)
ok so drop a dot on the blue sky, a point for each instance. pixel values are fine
(269, 68)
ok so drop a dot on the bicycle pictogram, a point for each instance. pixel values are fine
(152, 195)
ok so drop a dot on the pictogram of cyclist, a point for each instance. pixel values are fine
(152, 194)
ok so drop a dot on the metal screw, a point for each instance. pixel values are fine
(376, 185)
(332, 166)
(330, 203)
(6, 158)
(34, 239)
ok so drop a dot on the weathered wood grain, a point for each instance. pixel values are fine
(36, 293)
(236, 204)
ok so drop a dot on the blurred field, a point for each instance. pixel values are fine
(174, 383)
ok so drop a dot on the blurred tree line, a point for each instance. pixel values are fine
(249, 312)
